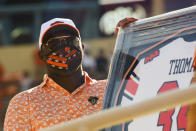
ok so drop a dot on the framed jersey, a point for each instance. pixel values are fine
(152, 56)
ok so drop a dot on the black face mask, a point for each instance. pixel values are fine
(63, 53)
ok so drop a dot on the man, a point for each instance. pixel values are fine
(66, 93)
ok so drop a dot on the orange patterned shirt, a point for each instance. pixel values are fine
(49, 104)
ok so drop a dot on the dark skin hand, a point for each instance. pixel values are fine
(124, 23)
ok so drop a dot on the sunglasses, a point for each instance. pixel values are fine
(60, 41)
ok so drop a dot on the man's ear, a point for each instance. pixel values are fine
(82, 46)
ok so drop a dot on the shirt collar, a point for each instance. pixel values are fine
(50, 83)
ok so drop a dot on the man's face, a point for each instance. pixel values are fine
(63, 53)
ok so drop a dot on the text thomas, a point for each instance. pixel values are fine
(179, 66)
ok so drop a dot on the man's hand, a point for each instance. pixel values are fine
(124, 23)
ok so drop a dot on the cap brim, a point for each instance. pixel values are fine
(59, 29)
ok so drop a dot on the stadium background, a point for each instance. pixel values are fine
(20, 22)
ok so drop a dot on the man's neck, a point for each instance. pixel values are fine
(70, 82)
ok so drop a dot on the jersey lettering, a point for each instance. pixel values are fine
(178, 66)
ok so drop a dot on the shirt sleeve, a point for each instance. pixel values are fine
(17, 115)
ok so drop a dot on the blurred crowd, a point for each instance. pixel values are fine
(13, 83)
(97, 67)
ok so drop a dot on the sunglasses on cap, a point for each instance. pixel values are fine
(60, 41)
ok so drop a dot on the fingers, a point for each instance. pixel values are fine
(124, 23)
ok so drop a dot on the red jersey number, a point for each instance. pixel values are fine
(165, 118)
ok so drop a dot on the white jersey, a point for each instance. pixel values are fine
(164, 69)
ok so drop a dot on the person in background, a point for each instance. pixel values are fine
(102, 64)
(26, 81)
(88, 63)
(8, 88)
